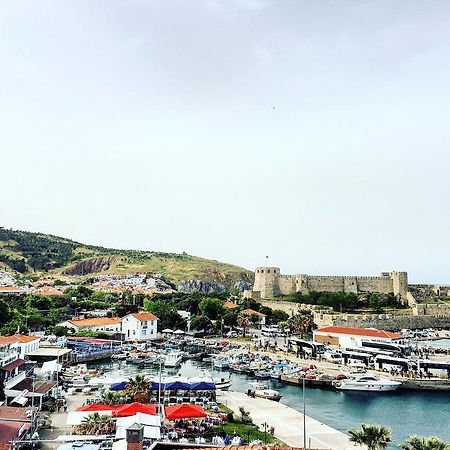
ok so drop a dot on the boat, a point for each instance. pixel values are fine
(173, 359)
(366, 382)
(222, 383)
(262, 390)
(221, 364)
(262, 374)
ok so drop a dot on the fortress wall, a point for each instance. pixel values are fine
(392, 321)
(383, 285)
(286, 284)
(326, 284)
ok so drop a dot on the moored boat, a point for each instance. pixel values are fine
(262, 390)
(366, 382)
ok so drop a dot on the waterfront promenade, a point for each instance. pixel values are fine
(288, 423)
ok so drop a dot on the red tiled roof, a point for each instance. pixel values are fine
(95, 322)
(22, 338)
(11, 289)
(144, 316)
(250, 312)
(360, 332)
(230, 305)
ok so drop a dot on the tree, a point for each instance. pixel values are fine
(212, 308)
(201, 323)
(424, 443)
(374, 436)
(5, 315)
(245, 415)
(95, 424)
(139, 389)
(244, 322)
(111, 398)
(301, 323)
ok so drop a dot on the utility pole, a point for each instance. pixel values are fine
(304, 414)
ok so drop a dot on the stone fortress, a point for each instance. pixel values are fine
(269, 283)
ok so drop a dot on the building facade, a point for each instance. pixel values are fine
(140, 327)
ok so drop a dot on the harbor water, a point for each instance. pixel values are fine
(405, 412)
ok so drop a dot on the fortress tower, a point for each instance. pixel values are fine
(266, 281)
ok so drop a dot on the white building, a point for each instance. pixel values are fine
(352, 337)
(112, 324)
(140, 326)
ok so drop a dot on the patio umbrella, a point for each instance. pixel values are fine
(203, 386)
(167, 330)
(178, 332)
(119, 386)
(184, 411)
(97, 407)
(133, 408)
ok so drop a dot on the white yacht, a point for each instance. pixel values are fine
(262, 390)
(366, 382)
(173, 359)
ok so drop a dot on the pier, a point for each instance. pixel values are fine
(288, 423)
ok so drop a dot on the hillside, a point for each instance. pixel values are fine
(39, 254)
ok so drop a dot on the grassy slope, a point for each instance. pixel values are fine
(176, 267)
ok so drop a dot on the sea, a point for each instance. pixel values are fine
(407, 413)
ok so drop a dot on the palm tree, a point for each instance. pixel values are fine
(139, 389)
(244, 322)
(300, 323)
(374, 436)
(111, 398)
(95, 424)
(424, 443)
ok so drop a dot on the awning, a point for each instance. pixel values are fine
(21, 399)
(184, 411)
(13, 365)
(119, 386)
(133, 408)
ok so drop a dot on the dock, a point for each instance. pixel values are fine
(288, 423)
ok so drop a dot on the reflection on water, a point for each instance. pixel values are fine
(407, 413)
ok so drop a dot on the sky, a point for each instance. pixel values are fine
(315, 133)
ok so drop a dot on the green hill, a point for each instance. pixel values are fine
(37, 253)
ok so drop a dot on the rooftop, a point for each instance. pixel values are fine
(230, 305)
(95, 321)
(144, 316)
(22, 338)
(250, 312)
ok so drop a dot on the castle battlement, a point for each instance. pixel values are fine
(270, 283)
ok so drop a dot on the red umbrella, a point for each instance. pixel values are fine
(96, 407)
(184, 411)
(132, 408)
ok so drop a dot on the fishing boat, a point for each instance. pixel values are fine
(366, 382)
(262, 390)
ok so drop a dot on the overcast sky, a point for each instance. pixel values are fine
(314, 132)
